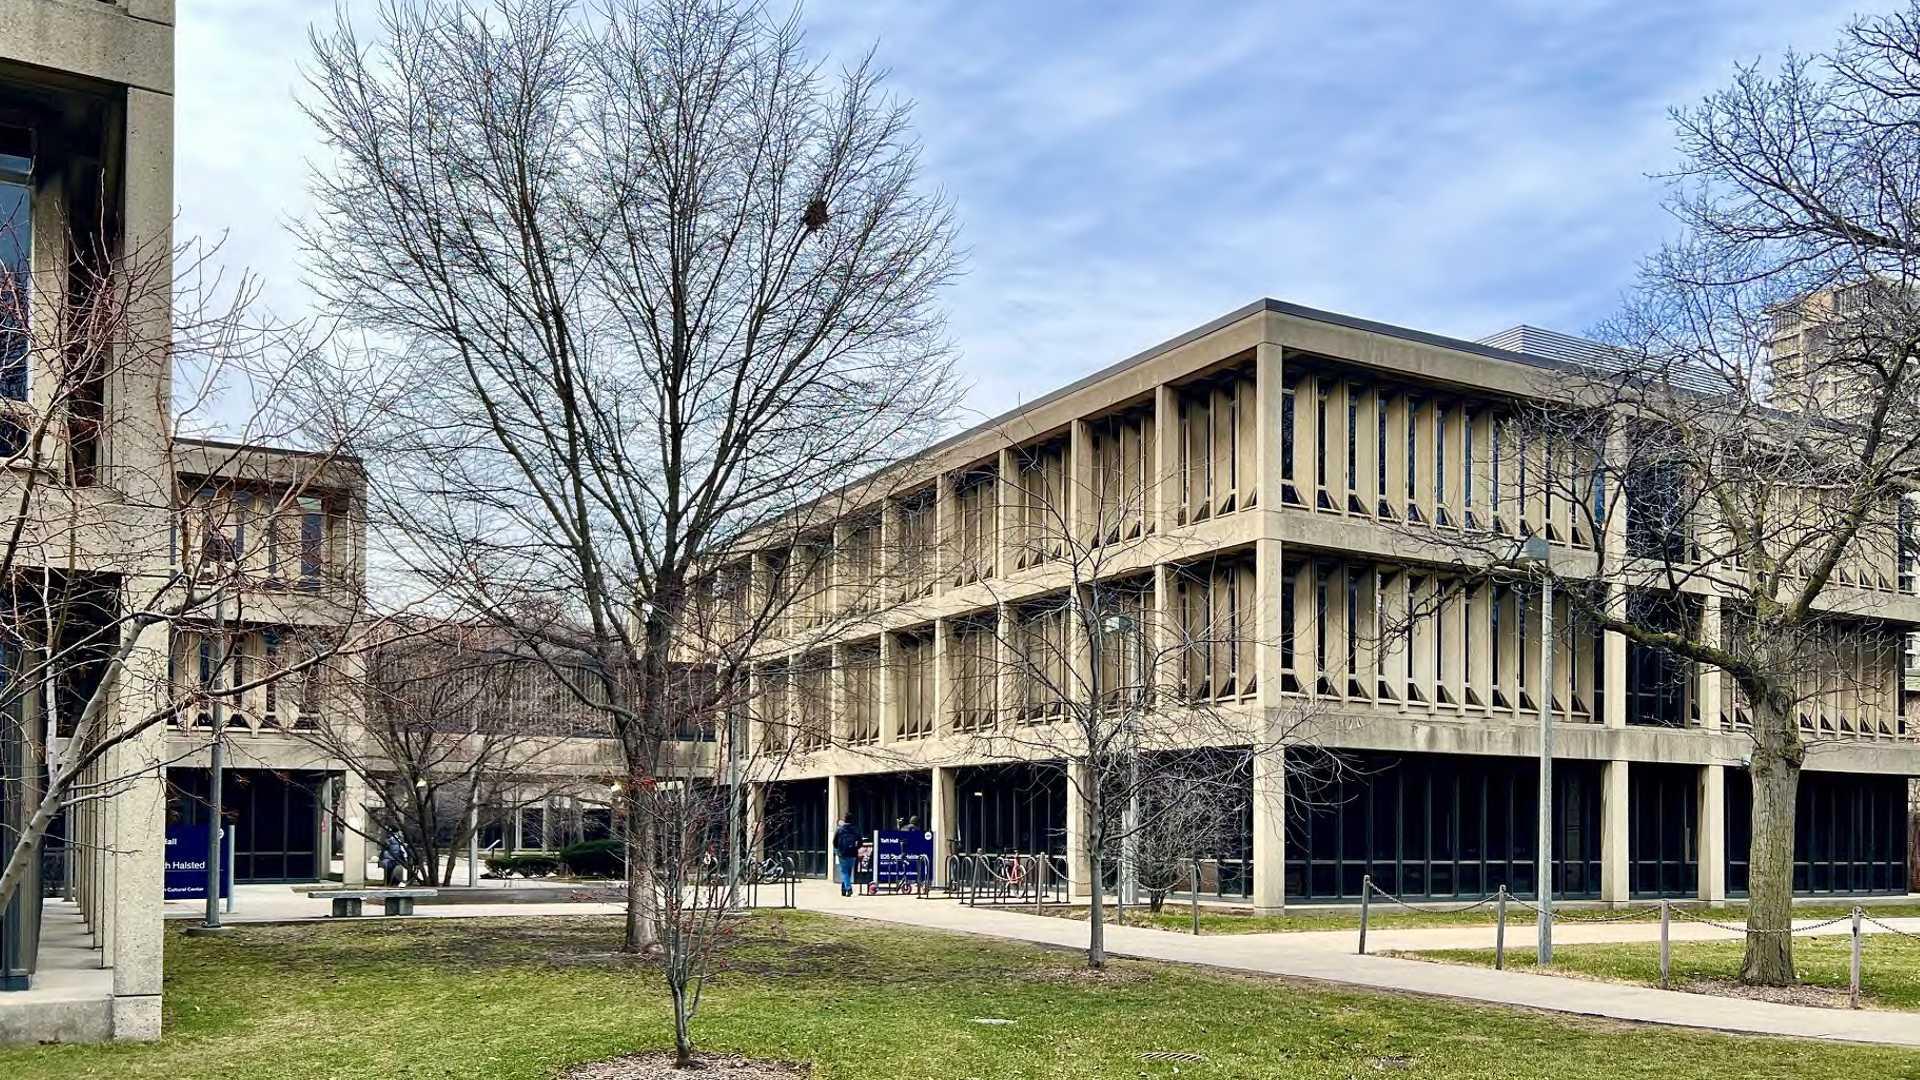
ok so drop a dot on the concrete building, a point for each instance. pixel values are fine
(1293, 464)
(86, 177)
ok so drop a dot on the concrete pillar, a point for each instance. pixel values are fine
(139, 856)
(1708, 677)
(836, 802)
(1713, 833)
(1270, 831)
(1079, 779)
(756, 840)
(943, 819)
(323, 840)
(1164, 496)
(353, 839)
(1614, 832)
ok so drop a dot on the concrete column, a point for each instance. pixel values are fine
(942, 681)
(1270, 831)
(756, 841)
(1614, 788)
(353, 838)
(1615, 645)
(139, 856)
(889, 677)
(323, 841)
(836, 802)
(1268, 387)
(1709, 677)
(1082, 514)
(1079, 778)
(1164, 495)
(943, 820)
(1713, 833)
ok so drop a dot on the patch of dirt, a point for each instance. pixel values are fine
(1818, 997)
(659, 1066)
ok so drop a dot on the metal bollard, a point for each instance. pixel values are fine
(1666, 949)
(1853, 981)
(1193, 880)
(1500, 931)
(1366, 894)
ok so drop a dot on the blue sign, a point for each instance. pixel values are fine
(186, 876)
(902, 856)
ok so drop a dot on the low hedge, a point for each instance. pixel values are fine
(595, 858)
(527, 866)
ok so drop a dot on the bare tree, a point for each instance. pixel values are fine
(1185, 813)
(648, 274)
(108, 563)
(1106, 649)
(454, 720)
(1741, 462)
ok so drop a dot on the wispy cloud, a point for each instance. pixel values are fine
(1124, 172)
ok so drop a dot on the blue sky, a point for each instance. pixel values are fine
(1123, 172)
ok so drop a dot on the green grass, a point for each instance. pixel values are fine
(1889, 965)
(1387, 916)
(525, 997)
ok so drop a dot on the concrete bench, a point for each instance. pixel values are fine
(346, 902)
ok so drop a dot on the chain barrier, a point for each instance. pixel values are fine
(1890, 928)
(1667, 911)
(1429, 909)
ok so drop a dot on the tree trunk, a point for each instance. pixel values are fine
(682, 1027)
(643, 932)
(1096, 895)
(1775, 774)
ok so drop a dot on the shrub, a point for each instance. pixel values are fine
(595, 858)
(527, 866)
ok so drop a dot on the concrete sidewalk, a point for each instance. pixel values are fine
(1310, 956)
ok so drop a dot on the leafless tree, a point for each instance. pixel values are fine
(454, 721)
(1106, 650)
(640, 276)
(108, 563)
(1185, 813)
(1743, 458)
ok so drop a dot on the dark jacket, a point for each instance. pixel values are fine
(846, 841)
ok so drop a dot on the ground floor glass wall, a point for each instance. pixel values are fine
(1849, 836)
(275, 816)
(1434, 826)
(900, 800)
(1663, 830)
(1011, 808)
(794, 825)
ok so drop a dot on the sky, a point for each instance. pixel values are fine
(1123, 172)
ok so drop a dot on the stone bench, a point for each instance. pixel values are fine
(346, 902)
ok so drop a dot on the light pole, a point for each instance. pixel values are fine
(1536, 552)
(216, 770)
(1123, 626)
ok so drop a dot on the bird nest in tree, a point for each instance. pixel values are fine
(659, 1066)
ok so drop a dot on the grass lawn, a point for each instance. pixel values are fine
(1386, 916)
(525, 997)
(1889, 965)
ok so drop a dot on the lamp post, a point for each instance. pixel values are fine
(216, 771)
(1123, 626)
(1536, 552)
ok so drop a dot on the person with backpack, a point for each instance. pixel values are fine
(846, 853)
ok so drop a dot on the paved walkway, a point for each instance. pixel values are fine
(1310, 956)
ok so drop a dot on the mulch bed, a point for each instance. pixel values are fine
(659, 1066)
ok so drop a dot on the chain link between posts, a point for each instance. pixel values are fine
(1667, 912)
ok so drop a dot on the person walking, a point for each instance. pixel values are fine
(846, 852)
(393, 859)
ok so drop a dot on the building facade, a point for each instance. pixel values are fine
(86, 185)
(1279, 485)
